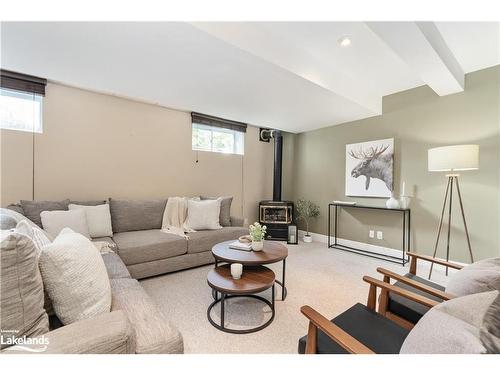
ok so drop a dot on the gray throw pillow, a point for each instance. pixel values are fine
(490, 329)
(225, 209)
(32, 209)
(21, 309)
(477, 277)
(452, 327)
(128, 214)
(16, 208)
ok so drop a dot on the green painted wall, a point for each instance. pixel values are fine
(418, 119)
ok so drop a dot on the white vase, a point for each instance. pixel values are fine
(307, 238)
(257, 245)
(405, 202)
(392, 202)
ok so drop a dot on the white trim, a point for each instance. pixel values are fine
(359, 245)
(322, 238)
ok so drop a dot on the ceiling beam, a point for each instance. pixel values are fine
(421, 46)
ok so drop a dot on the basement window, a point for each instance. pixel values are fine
(20, 111)
(21, 98)
(217, 135)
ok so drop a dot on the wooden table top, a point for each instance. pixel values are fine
(255, 279)
(272, 252)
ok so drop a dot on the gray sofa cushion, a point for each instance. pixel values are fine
(21, 289)
(204, 240)
(115, 266)
(89, 203)
(16, 207)
(153, 332)
(225, 210)
(128, 215)
(477, 277)
(148, 245)
(452, 327)
(32, 209)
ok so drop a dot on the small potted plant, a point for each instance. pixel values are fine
(257, 234)
(306, 210)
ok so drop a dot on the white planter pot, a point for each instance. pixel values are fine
(307, 238)
(257, 245)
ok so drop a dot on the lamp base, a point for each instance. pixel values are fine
(448, 196)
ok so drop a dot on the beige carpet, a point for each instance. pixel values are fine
(328, 280)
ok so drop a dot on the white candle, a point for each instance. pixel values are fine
(236, 270)
(403, 190)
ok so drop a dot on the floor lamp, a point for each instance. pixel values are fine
(452, 159)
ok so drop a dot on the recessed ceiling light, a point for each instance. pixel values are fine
(344, 41)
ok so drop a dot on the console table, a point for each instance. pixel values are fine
(405, 231)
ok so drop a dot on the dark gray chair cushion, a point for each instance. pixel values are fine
(225, 210)
(148, 245)
(128, 215)
(32, 209)
(409, 310)
(375, 331)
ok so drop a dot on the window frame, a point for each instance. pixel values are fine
(36, 127)
(238, 139)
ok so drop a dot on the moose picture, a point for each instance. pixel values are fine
(369, 168)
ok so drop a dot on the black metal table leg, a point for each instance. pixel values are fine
(222, 300)
(283, 287)
(272, 297)
(281, 283)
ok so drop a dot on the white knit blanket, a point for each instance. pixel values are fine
(174, 217)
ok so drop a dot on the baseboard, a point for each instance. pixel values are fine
(316, 237)
(323, 238)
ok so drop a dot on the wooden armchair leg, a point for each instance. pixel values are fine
(371, 303)
(312, 339)
(413, 265)
(383, 302)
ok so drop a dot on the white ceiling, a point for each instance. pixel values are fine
(288, 75)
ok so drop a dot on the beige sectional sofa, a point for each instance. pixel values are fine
(134, 324)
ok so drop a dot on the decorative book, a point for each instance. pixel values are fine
(237, 245)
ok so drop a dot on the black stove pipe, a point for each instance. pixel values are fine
(278, 159)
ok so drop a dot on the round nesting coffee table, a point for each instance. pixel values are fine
(255, 279)
(272, 252)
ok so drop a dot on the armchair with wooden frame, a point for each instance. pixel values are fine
(360, 329)
(406, 311)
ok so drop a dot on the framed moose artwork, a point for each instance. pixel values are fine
(369, 168)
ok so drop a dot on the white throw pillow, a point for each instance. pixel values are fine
(37, 235)
(75, 277)
(203, 214)
(54, 221)
(98, 219)
(480, 276)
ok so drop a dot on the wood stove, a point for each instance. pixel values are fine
(276, 214)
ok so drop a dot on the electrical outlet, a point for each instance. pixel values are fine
(371, 233)
(380, 235)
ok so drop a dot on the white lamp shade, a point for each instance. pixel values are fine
(453, 158)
